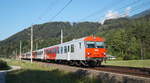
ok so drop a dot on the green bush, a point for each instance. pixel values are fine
(3, 65)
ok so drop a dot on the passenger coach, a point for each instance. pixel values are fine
(87, 51)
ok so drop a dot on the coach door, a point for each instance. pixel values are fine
(68, 52)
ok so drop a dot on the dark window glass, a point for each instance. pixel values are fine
(39, 52)
(68, 48)
(65, 49)
(72, 48)
(100, 44)
(57, 50)
(90, 44)
(54, 50)
(48, 51)
(80, 45)
(61, 50)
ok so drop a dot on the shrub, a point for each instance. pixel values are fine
(3, 65)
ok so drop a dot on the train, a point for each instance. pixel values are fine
(86, 51)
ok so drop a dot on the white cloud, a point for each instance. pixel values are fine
(128, 8)
(127, 11)
(112, 15)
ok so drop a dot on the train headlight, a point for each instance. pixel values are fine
(88, 53)
(104, 53)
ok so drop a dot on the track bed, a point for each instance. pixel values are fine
(144, 72)
(135, 71)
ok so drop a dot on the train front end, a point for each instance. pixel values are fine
(95, 49)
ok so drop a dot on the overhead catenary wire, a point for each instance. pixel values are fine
(48, 9)
(141, 5)
(102, 16)
(99, 11)
(128, 5)
(52, 18)
(31, 35)
(132, 4)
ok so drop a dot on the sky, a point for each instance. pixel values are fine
(17, 15)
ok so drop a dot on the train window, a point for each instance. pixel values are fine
(57, 50)
(61, 50)
(100, 44)
(72, 48)
(90, 44)
(51, 50)
(79, 44)
(65, 49)
(39, 52)
(48, 51)
(68, 48)
(54, 50)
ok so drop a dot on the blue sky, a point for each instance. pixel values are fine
(16, 15)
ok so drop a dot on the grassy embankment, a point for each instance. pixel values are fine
(37, 73)
(130, 63)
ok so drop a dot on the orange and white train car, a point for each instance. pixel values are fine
(87, 51)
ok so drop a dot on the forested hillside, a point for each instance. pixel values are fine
(46, 35)
(126, 38)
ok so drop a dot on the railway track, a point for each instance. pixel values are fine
(143, 72)
(135, 71)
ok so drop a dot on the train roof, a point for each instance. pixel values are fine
(88, 38)
(94, 38)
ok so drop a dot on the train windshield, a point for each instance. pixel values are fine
(91, 44)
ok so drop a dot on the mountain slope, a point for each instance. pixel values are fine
(47, 34)
(142, 14)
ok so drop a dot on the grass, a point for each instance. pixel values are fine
(37, 73)
(130, 63)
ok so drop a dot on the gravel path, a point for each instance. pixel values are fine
(3, 73)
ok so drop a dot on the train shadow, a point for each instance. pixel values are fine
(51, 76)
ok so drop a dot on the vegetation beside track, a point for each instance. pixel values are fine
(37, 73)
(130, 63)
(3, 65)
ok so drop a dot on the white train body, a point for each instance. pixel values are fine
(83, 49)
